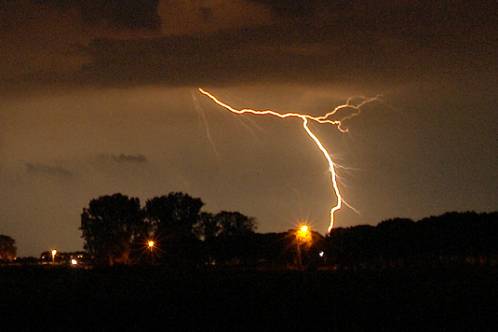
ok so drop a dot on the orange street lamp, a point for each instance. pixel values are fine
(53, 252)
(303, 236)
(151, 244)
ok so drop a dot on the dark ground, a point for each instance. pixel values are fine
(444, 299)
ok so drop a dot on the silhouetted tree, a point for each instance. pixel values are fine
(172, 219)
(310, 254)
(459, 236)
(8, 248)
(235, 224)
(206, 230)
(175, 213)
(274, 249)
(208, 227)
(451, 238)
(109, 226)
(396, 240)
(233, 242)
(352, 246)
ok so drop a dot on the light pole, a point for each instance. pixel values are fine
(303, 236)
(53, 252)
(150, 246)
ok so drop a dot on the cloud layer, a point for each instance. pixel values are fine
(123, 43)
(41, 169)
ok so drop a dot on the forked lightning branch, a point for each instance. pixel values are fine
(306, 119)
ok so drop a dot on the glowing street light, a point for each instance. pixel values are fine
(74, 262)
(53, 252)
(151, 244)
(303, 236)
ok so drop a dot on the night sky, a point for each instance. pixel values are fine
(98, 97)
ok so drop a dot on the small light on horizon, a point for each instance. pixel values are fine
(74, 262)
(53, 252)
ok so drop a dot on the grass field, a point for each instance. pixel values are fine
(139, 298)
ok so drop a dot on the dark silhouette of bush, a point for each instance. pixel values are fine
(451, 238)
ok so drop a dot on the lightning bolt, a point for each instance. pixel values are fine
(306, 118)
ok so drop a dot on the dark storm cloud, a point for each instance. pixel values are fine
(129, 158)
(374, 45)
(128, 14)
(134, 14)
(43, 169)
(290, 8)
(42, 42)
(123, 158)
(206, 13)
(369, 41)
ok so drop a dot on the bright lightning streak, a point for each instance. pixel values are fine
(305, 118)
(333, 176)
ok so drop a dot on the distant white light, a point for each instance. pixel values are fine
(321, 254)
(74, 262)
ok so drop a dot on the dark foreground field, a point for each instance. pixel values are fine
(138, 299)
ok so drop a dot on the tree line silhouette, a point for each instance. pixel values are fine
(451, 238)
(116, 230)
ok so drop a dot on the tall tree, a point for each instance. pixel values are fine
(109, 225)
(172, 219)
(8, 248)
(234, 242)
(208, 227)
(235, 223)
(175, 213)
